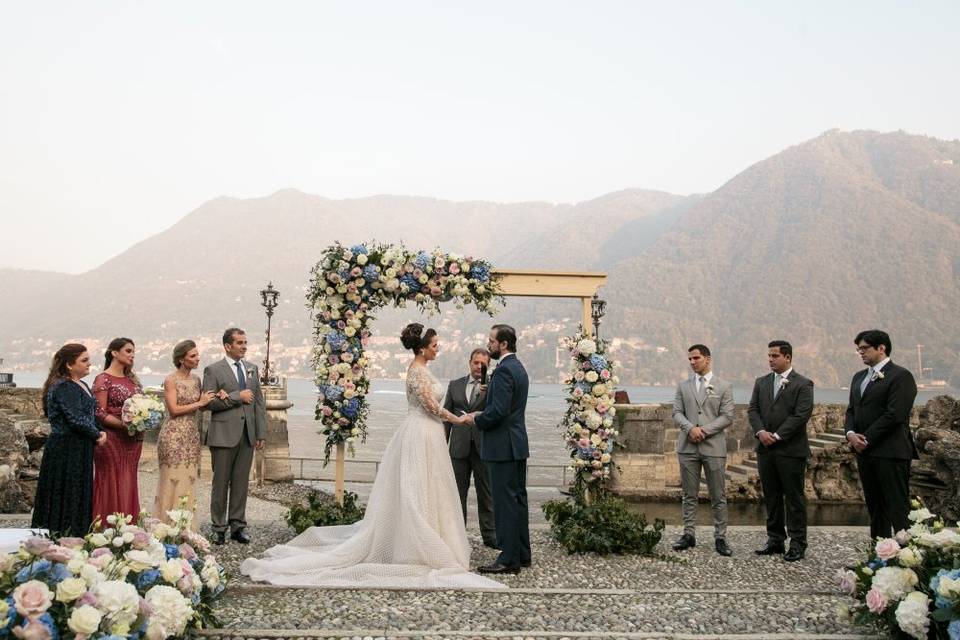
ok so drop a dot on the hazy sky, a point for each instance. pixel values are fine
(117, 119)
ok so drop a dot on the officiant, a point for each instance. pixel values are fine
(466, 395)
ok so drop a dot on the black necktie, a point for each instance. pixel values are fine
(240, 377)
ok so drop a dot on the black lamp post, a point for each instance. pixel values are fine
(269, 297)
(596, 312)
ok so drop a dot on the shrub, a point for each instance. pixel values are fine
(322, 510)
(603, 525)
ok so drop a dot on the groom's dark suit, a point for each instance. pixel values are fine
(783, 415)
(504, 449)
(882, 414)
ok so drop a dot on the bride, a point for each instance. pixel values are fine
(413, 533)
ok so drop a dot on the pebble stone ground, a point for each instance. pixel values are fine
(696, 594)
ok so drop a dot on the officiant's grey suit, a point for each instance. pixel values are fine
(712, 410)
(464, 444)
(232, 434)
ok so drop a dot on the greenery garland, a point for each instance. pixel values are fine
(347, 286)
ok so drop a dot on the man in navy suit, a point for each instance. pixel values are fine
(504, 450)
(878, 428)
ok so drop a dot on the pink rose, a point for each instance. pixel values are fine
(100, 560)
(145, 609)
(32, 631)
(847, 581)
(185, 585)
(356, 271)
(876, 601)
(86, 598)
(327, 411)
(72, 543)
(56, 553)
(32, 599)
(37, 545)
(602, 408)
(187, 553)
(187, 569)
(584, 443)
(196, 541)
(141, 540)
(605, 374)
(887, 548)
(454, 268)
(903, 537)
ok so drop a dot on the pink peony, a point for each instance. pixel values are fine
(37, 545)
(876, 601)
(86, 598)
(72, 543)
(185, 585)
(887, 548)
(187, 553)
(847, 581)
(56, 553)
(141, 540)
(32, 631)
(32, 599)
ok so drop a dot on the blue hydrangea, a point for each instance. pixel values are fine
(940, 601)
(357, 249)
(147, 579)
(586, 387)
(423, 260)
(11, 615)
(172, 551)
(954, 630)
(331, 392)
(371, 273)
(336, 340)
(350, 408)
(598, 362)
(410, 280)
(480, 272)
(47, 621)
(57, 571)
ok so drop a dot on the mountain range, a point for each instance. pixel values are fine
(849, 230)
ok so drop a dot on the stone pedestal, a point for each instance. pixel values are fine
(273, 463)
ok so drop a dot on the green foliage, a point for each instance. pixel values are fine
(322, 510)
(603, 525)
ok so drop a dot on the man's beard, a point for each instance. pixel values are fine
(494, 354)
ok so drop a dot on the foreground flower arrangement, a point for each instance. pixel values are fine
(589, 420)
(146, 580)
(346, 287)
(909, 584)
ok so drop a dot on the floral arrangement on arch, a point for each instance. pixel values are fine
(347, 286)
(144, 581)
(589, 420)
(909, 584)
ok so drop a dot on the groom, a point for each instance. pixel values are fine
(504, 450)
(238, 424)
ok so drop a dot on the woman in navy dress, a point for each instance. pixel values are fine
(64, 498)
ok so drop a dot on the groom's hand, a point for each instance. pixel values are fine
(468, 418)
(261, 444)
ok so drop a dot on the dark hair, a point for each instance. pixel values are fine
(229, 333)
(506, 333)
(702, 348)
(785, 347)
(115, 345)
(181, 350)
(413, 337)
(479, 350)
(874, 338)
(65, 356)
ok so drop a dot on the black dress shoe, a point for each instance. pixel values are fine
(525, 564)
(686, 541)
(240, 536)
(722, 548)
(491, 545)
(219, 537)
(771, 550)
(794, 554)
(498, 568)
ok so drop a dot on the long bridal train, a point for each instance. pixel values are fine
(412, 534)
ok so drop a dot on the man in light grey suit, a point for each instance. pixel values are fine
(703, 409)
(238, 424)
(466, 395)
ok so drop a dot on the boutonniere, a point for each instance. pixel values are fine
(250, 373)
(784, 382)
(877, 375)
(710, 392)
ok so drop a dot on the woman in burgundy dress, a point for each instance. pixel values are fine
(116, 462)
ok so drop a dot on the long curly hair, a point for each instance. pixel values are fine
(64, 357)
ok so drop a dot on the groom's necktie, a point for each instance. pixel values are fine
(241, 379)
(777, 385)
(700, 382)
(866, 380)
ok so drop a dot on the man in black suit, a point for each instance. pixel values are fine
(505, 450)
(466, 395)
(780, 407)
(878, 428)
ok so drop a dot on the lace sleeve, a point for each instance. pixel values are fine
(419, 381)
(69, 396)
(101, 387)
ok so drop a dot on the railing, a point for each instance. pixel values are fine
(364, 471)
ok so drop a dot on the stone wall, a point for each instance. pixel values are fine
(22, 400)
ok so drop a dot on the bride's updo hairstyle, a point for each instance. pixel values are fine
(413, 337)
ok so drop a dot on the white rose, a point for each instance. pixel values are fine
(77, 561)
(85, 620)
(172, 570)
(909, 558)
(7, 560)
(70, 589)
(91, 575)
(140, 560)
(170, 609)
(99, 540)
(362, 259)
(118, 541)
(591, 376)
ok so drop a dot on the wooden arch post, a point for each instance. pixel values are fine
(521, 283)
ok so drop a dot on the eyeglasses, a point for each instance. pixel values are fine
(864, 348)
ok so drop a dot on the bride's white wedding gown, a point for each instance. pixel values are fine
(412, 534)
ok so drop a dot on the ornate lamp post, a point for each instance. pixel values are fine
(596, 312)
(269, 297)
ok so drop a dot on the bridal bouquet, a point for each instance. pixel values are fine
(142, 413)
(147, 580)
(909, 583)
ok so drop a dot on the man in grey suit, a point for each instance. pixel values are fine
(466, 395)
(703, 409)
(238, 424)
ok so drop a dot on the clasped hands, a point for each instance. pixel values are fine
(766, 438)
(857, 441)
(696, 434)
(468, 419)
